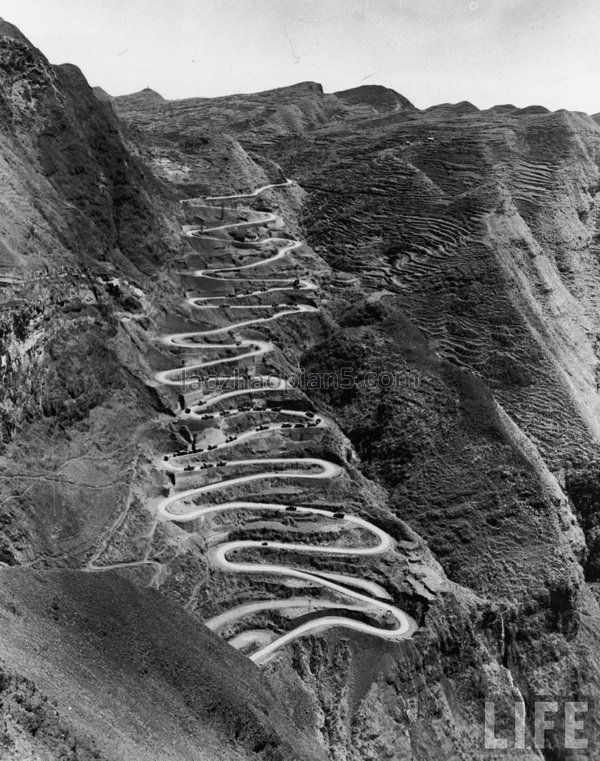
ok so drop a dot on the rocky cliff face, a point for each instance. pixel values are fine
(471, 241)
(455, 253)
(92, 665)
(462, 255)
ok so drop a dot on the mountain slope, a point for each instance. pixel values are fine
(286, 110)
(463, 254)
(473, 241)
(454, 257)
(93, 664)
(130, 675)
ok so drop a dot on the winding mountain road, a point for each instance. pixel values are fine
(366, 597)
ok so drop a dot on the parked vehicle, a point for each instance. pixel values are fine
(339, 515)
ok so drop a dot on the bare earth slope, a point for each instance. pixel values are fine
(128, 676)
(463, 252)
(447, 262)
(92, 665)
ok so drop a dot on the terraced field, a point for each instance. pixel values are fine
(429, 210)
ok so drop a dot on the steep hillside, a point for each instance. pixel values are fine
(84, 229)
(397, 519)
(472, 240)
(462, 248)
(95, 668)
(201, 144)
(93, 665)
(273, 112)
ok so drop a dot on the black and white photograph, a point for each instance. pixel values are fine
(299, 380)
